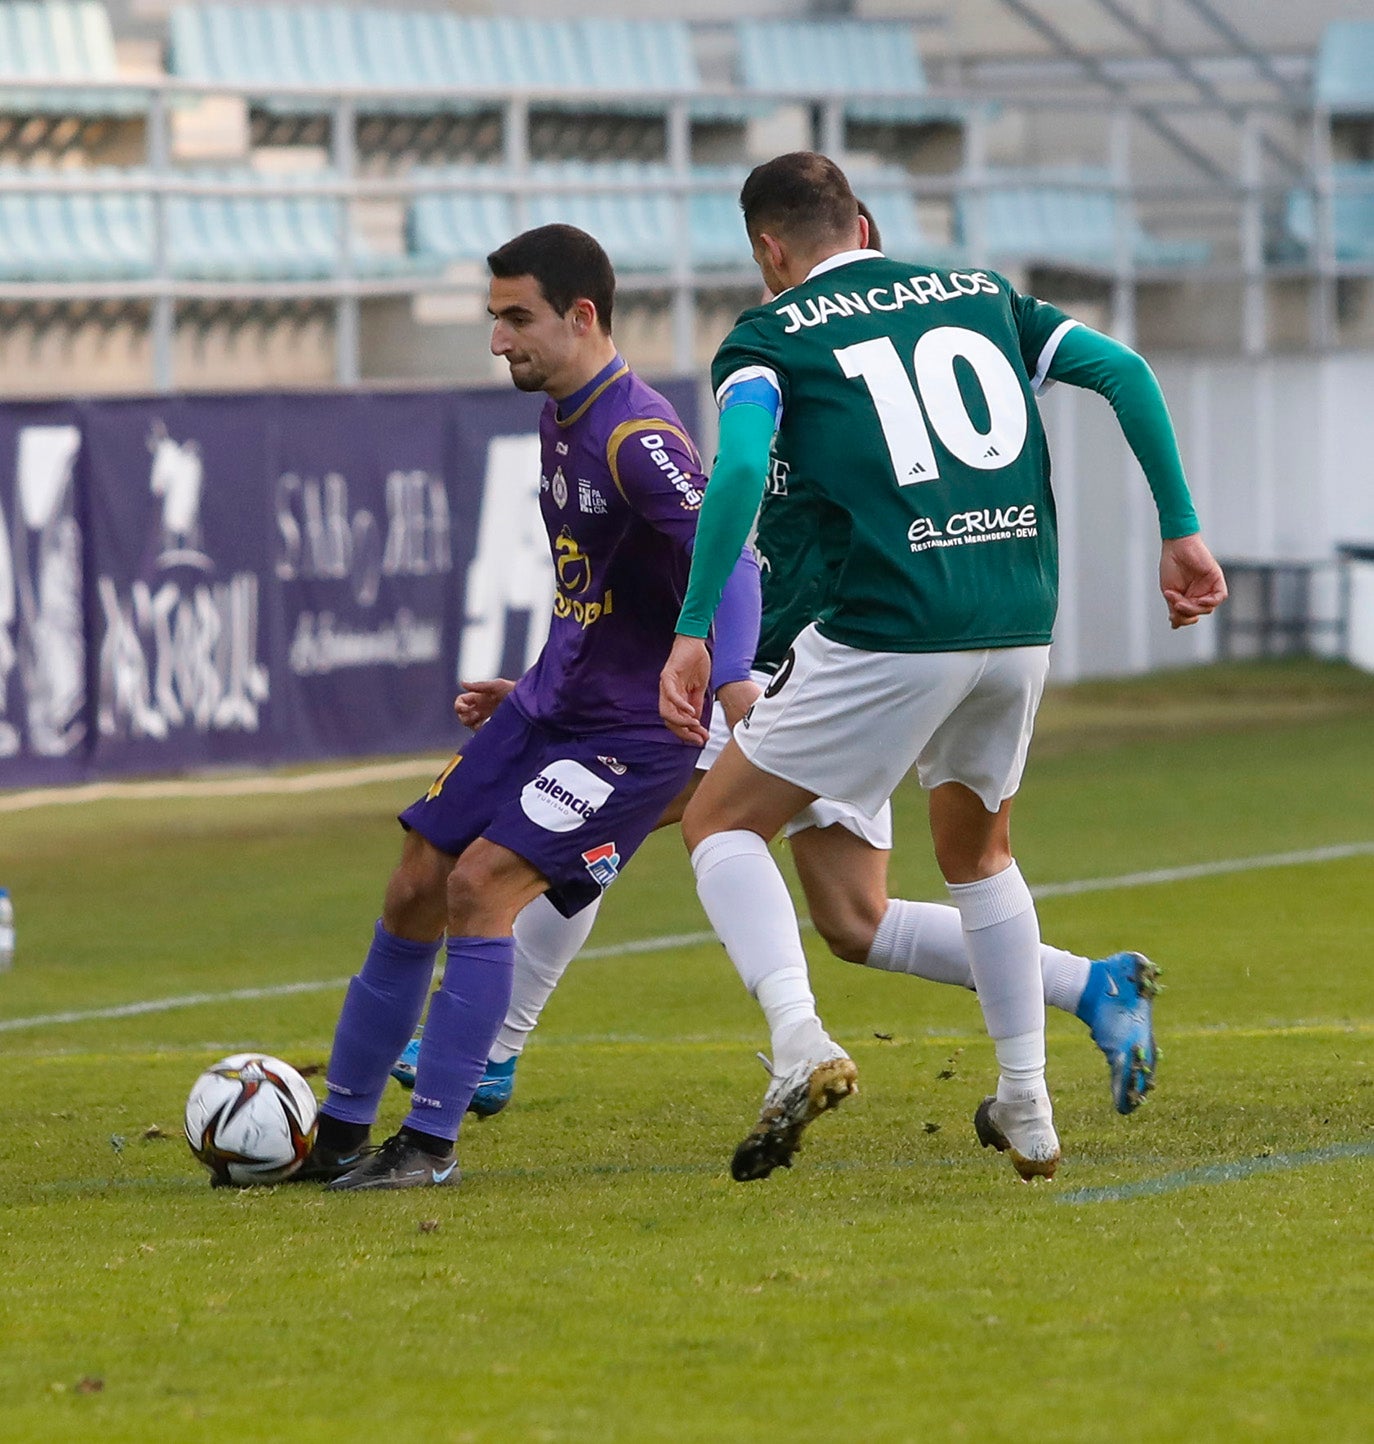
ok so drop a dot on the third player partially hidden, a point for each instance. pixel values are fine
(900, 399)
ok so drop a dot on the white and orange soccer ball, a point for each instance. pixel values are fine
(250, 1119)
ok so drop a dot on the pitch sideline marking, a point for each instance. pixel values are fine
(719, 1043)
(676, 940)
(1166, 1183)
(1209, 1173)
(266, 785)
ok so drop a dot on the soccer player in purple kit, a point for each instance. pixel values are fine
(573, 769)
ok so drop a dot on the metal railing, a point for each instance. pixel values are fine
(1237, 203)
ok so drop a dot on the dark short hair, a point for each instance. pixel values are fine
(875, 236)
(801, 195)
(569, 265)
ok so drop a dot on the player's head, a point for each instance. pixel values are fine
(550, 299)
(869, 236)
(873, 240)
(798, 208)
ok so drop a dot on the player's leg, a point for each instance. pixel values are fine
(737, 808)
(971, 767)
(386, 999)
(841, 859)
(568, 818)
(728, 824)
(487, 887)
(383, 1003)
(1002, 935)
(806, 736)
(546, 942)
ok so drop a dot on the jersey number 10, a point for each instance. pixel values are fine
(899, 403)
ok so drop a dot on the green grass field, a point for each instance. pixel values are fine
(1201, 1271)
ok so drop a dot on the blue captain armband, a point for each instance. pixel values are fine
(754, 386)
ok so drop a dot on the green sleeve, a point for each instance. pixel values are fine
(727, 511)
(1088, 358)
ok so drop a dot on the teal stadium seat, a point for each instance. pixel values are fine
(716, 222)
(94, 235)
(267, 45)
(886, 191)
(635, 223)
(1344, 78)
(75, 236)
(1352, 215)
(265, 238)
(447, 226)
(263, 45)
(69, 44)
(1067, 219)
(833, 59)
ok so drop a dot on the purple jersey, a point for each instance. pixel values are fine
(620, 488)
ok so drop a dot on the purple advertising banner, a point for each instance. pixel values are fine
(193, 582)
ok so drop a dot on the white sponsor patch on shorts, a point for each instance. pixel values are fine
(564, 796)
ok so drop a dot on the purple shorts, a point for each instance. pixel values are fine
(576, 808)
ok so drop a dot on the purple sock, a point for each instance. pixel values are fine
(384, 1002)
(465, 1016)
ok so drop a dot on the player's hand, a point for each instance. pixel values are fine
(736, 698)
(682, 689)
(478, 700)
(1190, 580)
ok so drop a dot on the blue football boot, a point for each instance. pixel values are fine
(495, 1089)
(1117, 1005)
(403, 1069)
(493, 1092)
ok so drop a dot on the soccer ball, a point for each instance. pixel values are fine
(250, 1119)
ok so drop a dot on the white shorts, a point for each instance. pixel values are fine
(876, 831)
(849, 725)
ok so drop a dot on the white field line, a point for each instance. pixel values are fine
(258, 785)
(681, 940)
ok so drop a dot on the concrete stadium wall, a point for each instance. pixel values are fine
(1277, 451)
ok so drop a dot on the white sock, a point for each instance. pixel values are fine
(1065, 975)
(1002, 935)
(545, 943)
(926, 940)
(923, 939)
(1021, 1065)
(749, 907)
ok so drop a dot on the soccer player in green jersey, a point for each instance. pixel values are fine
(902, 400)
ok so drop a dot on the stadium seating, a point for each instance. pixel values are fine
(1352, 217)
(625, 204)
(1344, 76)
(69, 44)
(832, 59)
(453, 54)
(97, 235)
(630, 207)
(1064, 218)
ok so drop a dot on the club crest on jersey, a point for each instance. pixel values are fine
(614, 763)
(589, 501)
(559, 487)
(603, 863)
(561, 447)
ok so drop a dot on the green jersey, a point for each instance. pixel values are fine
(909, 425)
(792, 573)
